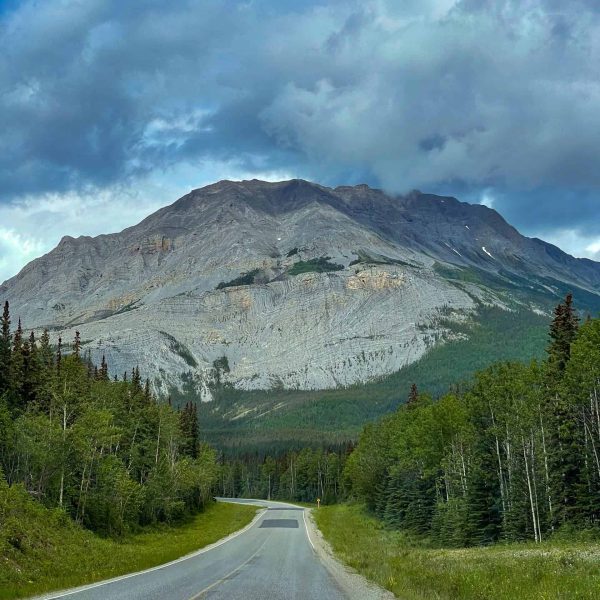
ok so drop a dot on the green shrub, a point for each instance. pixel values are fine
(314, 265)
(243, 279)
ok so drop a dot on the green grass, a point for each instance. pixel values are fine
(43, 550)
(556, 570)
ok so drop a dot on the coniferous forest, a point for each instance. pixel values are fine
(516, 456)
(105, 451)
(113, 456)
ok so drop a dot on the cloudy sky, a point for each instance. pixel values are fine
(110, 109)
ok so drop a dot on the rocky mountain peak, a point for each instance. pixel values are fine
(295, 283)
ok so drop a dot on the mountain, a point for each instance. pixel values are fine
(292, 285)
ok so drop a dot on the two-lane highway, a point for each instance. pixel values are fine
(272, 559)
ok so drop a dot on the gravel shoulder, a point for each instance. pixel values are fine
(354, 585)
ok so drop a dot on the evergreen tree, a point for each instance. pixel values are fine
(104, 369)
(32, 371)
(84, 446)
(563, 331)
(565, 438)
(5, 350)
(188, 425)
(59, 355)
(45, 350)
(413, 396)
(582, 382)
(77, 345)
(17, 371)
(136, 380)
(45, 380)
(484, 507)
(147, 392)
(87, 359)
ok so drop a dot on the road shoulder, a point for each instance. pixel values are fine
(354, 585)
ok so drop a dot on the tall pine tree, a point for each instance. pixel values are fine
(565, 435)
(413, 396)
(17, 370)
(188, 424)
(563, 331)
(5, 350)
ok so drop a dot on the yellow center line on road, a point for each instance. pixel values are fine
(199, 595)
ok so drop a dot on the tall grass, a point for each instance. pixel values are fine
(557, 570)
(53, 553)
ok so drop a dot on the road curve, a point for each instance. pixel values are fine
(273, 559)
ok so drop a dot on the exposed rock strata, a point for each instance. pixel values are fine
(164, 294)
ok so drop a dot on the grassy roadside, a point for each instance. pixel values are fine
(550, 571)
(49, 552)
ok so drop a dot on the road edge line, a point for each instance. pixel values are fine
(354, 585)
(91, 586)
(307, 531)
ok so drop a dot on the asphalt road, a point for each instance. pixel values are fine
(273, 559)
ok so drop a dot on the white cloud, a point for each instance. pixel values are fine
(17, 249)
(593, 250)
(132, 105)
(487, 199)
(573, 241)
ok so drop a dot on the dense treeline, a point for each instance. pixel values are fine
(300, 476)
(105, 451)
(516, 456)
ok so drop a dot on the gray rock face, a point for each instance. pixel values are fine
(282, 284)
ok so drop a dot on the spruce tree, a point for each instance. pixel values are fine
(417, 501)
(17, 370)
(47, 373)
(32, 371)
(391, 502)
(563, 331)
(59, 355)
(77, 344)
(136, 380)
(5, 350)
(379, 495)
(45, 350)
(104, 369)
(565, 436)
(413, 396)
(87, 359)
(147, 392)
(188, 425)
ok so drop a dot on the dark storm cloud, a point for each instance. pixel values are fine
(434, 94)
